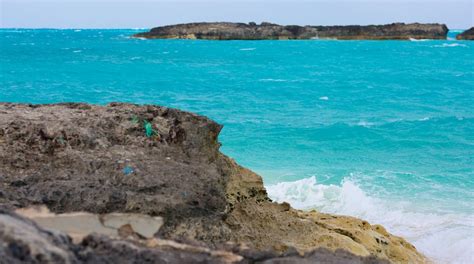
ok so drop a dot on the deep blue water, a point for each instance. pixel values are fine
(377, 129)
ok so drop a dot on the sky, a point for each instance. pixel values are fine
(457, 14)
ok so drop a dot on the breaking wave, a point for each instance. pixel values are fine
(442, 237)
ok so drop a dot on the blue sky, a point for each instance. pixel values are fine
(457, 14)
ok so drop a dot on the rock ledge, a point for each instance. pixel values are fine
(161, 162)
(269, 31)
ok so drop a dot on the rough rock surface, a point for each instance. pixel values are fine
(252, 31)
(466, 35)
(22, 241)
(80, 224)
(163, 162)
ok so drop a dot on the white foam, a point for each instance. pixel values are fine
(365, 123)
(247, 49)
(272, 80)
(324, 98)
(418, 40)
(444, 238)
(449, 45)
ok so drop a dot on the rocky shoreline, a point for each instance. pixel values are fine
(151, 161)
(466, 35)
(269, 31)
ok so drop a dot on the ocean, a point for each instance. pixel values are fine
(381, 130)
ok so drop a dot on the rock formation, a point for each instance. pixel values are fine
(23, 241)
(162, 162)
(252, 31)
(466, 35)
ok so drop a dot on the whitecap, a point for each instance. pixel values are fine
(77, 51)
(448, 45)
(247, 49)
(77, 30)
(324, 98)
(272, 80)
(365, 123)
(443, 237)
(418, 40)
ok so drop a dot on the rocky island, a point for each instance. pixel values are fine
(269, 31)
(137, 183)
(466, 35)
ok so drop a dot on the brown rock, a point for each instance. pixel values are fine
(80, 224)
(22, 241)
(251, 31)
(466, 35)
(102, 159)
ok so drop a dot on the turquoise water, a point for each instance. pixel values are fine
(377, 129)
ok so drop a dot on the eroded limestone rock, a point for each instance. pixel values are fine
(252, 31)
(466, 35)
(81, 224)
(99, 159)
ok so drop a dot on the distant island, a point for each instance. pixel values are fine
(466, 35)
(270, 31)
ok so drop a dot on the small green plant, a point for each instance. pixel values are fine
(134, 119)
(149, 129)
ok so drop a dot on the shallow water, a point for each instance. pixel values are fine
(383, 130)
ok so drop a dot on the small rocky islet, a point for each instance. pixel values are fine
(466, 35)
(270, 31)
(150, 185)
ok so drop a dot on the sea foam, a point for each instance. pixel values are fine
(444, 238)
(449, 45)
(418, 40)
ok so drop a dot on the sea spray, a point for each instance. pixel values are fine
(444, 238)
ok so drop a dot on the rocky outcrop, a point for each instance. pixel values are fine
(23, 241)
(466, 35)
(162, 162)
(263, 31)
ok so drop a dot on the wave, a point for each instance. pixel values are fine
(449, 45)
(247, 49)
(419, 40)
(272, 80)
(283, 80)
(434, 121)
(443, 237)
(363, 123)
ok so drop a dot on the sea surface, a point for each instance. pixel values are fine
(382, 130)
